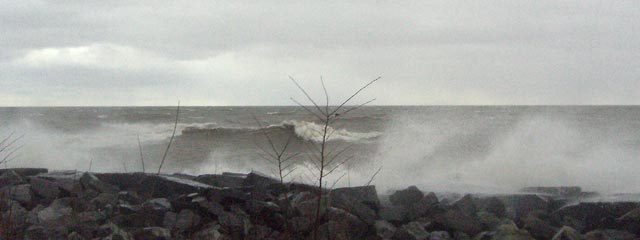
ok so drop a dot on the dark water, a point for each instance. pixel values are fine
(499, 148)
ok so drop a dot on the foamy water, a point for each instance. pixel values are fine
(480, 149)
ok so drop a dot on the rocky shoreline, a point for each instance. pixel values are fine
(38, 204)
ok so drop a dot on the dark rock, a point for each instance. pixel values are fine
(300, 224)
(394, 214)
(461, 221)
(104, 201)
(75, 236)
(210, 233)
(211, 207)
(260, 182)
(183, 221)
(224, 180)
(231, 223)
(609, 234)
(593, 215)
(365, 194)
(425, 206)
(356, 228)
(158, 204)
(111, 231)
(567, 233)
(384, 229)
(538, 228)
(511, 231)
(465, 205)
(21, 193)
(439, 235)
(58, 209)
(35, 233)
(90, 181)
(412, 231)
(45, 189)
(228, 196)
(489, 220)
(406, 197)
(129, 197)
(332, 230)
(518, 206)
(344, 201)
(25, 172)
(16, 215)
(492, 205)
(159, 186)
(630, 221)
(9, 178)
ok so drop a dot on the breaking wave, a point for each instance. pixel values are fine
(308, 131)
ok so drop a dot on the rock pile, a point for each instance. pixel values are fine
(37, 204)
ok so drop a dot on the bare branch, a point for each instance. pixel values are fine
(166, 151)
(353, 95)
(326, 94)
(141, 155)
(337, 180)
(308, 97)
(374, 175)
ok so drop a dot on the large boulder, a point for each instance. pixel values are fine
(21, 193)
(425, 206)
(593, 216)
(406, 197)
(384, 229)
(25, 172)
(224, 180)
(520, 205)
(412, 231)
(539, 228)
(45, 189)
(9, 178)
(365, 194)
(630, 221)
(465, 205)
(58, 209)
(353, 205)
(356, 228)
(463, 222)
(90, 181)
(393, 214)
(492, 205)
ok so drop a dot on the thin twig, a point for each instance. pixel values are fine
(166, 151)
(141, 155)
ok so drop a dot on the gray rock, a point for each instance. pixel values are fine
(228, 180)
(210, 233)
(156, 233)
(90, 181)
(511, 232)
(412, 231)
(609, 234)
(48, 190)
(365, 194)
(35, 233)
(333, 230)
(75, 236)
(567, 233)
(422, 207)
(10, 177)
(406, 197)
(300, 224)
(593, 216)
(210, 207)
(384, 229)
(110, 231)
(630, 221)
(21, 193)
(538, 228)
(439, 235)
(466, 205)
(518, 206)
(356, 228)
(58, 209)
(353, 205)
(158, 204)
(461, 221)
(25, 172)
(492, 205)
(394, 214)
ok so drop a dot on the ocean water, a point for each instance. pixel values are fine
(438, 148)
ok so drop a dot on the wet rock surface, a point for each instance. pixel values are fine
(38, 204)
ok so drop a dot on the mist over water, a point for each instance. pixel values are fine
(462, 149)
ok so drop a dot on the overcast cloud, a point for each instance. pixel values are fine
(241, 53)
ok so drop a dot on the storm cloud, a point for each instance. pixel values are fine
(242, 52)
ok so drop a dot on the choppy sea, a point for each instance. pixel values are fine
(463, 148)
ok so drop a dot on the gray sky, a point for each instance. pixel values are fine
(240, 53)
